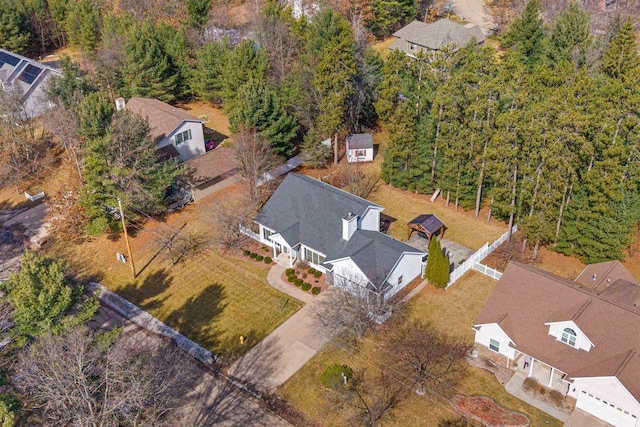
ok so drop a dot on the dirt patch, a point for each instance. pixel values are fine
(217, 120)
(303, 274)
(562, 265)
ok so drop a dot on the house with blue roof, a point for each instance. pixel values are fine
(337, 233)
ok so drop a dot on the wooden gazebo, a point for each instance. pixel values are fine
(426, 225)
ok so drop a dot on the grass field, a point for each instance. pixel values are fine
(453, 311)
(213, 298)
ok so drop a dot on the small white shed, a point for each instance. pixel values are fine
(359, 147)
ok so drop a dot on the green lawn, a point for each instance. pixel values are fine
(452, 311)
(212, 298)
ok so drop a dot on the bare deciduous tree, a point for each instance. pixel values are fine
(179, 244)
(80, 378)
(226, 219)
(353, 306)
(64, 126)
(372, 397)
(433, 361)
(255, 158)
(6, 315)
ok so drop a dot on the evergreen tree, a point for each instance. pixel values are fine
(245, 62)
(148, 71)
(526, 33)
(206, 81)
(94, 111)
(198, 11)
(332, 81)
(14, 27)
(621, 57)
(39, 294)
(258, 107)
(82, 23)
(571, 35)
(123, 164)
(314, 153)
(390, 15)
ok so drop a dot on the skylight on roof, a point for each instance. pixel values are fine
(5, 58)
(30, 73)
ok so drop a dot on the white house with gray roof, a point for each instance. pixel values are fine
(337, 233)
(28, 77)
(420, 37)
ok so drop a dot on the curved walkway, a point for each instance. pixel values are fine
(514, 387)
(280, 355)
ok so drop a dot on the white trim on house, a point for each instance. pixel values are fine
(582, 340)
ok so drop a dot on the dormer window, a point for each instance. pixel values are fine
(569, 337)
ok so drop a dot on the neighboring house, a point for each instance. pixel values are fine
(359, 147)
(31, 78)
(177, 134)
(338, 234)
(420, 37)
(579, 337)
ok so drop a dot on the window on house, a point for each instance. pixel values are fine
(569, 337)
(361, 153)
(312, 256)
(412, 47)
(494, 345)
(267, 234)
(183, 136)
(400, 280)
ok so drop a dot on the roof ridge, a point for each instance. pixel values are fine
(324, 184)
(606, 273)
(572, 285)
(625, 362)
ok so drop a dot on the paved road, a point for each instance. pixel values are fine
(473, 11)
(212, 400)
(27, 226)
(288, 348)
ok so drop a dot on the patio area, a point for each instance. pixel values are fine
(457, 253)
(541, 372)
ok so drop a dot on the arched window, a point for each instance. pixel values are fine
(569, 337)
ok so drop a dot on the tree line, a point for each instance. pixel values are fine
(544, 134)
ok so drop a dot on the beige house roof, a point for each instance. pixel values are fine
(438, 34)
(527, 297)
(163, 118)
(597, 276)
(213, 165)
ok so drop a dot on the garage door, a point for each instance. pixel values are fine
(606, 411)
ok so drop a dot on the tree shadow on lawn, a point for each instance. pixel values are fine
(145, 294)
(195, 319)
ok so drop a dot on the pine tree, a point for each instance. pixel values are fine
(82, 23)
(206, 81)
(14, 27)
(258, 107)
(389, 15)
(149, 71)
(621, 57)
(571, 35)
(526, 33)
(198, 11)
(314, 153)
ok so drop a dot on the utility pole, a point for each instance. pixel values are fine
(126, 239)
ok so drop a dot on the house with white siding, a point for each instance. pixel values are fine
(336, 233)
(176, 133)
(579, 337)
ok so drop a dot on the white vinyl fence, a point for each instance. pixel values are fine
(473, 262)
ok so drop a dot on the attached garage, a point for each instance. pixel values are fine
(605, 410)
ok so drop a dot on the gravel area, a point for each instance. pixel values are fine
(501, 373)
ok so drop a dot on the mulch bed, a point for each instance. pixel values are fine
(301, 271)
(502, 373)
(486, 411)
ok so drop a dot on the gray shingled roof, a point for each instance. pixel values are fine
(373, 252)
(439, 33)
(360, 141)
(308, 211)
(315, 207)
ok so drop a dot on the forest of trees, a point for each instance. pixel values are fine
(545, 135)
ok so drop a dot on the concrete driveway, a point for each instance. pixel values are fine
(288, 348)
(473, 11)
(457, 253)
